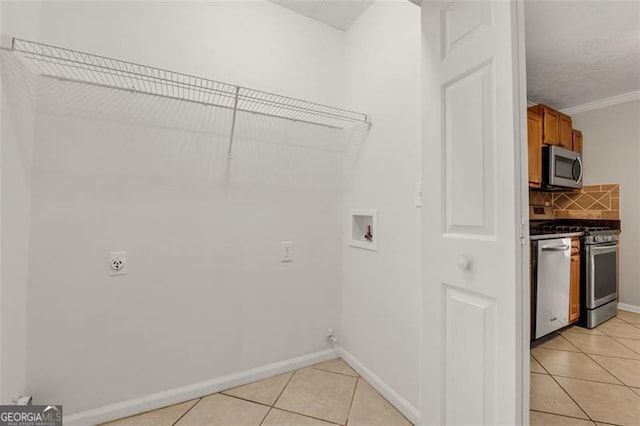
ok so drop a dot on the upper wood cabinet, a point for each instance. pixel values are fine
(576, 143)
(564, 132)
(534, 137)
(551, 124)
(546, 126)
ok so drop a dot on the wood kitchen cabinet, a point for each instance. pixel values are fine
(556, 126)
(550, 124)
(565, 134)
(534, 137)
(574, 285)
(576, 140)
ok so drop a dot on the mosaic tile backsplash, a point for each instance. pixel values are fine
(592, 202)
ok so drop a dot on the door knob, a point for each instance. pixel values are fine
(463, 262)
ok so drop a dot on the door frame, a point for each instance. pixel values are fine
(523, 293)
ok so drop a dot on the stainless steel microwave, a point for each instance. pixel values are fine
(561, 168)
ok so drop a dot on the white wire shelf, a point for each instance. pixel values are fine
(72, 65)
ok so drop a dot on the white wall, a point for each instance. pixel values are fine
(17, 95)
(612, 155)
(381, 294)
(206, 294)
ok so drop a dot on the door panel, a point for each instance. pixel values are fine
(469, 329)
(474, 143)
(468, 150)
(462, 21)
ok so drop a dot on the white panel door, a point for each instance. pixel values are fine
(473, 292)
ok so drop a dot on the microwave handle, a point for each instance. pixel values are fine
(581, 171)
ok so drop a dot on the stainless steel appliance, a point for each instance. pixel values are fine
(600, 276)
(561, 168)
(551, 272)
(599, 272)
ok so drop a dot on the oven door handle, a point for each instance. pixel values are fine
(555, 248)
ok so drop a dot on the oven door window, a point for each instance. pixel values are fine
(605, 273)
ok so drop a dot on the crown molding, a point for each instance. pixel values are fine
(602, 103)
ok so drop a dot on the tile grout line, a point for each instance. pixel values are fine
(563, 389)
(305, 415)
(605, 334)
(582, 352)
(588, 334)
(331, 422)
(186, 412)
(538, 361)
(277, 398)
(628, 338)
(353, 397)
(571, 397)
(265, 416)
(284, 388)
(289, 411)
(335, 372)
(242, 399)
(589, 356)
(605, 369)
(580, 378)
(564, 415)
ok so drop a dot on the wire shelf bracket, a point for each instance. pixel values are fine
(80, 67)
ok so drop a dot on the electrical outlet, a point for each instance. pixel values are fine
(286, 251)
(118, 263)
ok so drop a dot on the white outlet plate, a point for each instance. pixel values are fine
(118, 263)
(286, 251)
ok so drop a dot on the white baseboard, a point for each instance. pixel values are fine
(629, 308)
(401, 404)
(196, 390)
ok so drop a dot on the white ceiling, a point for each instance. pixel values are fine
(577, 51)
(339, 14)
(581, 51)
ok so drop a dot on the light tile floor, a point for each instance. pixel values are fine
(325, 394)
(587, 377)
(578, 377)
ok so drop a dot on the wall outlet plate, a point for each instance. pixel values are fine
(417, 197)
(286, 251)
(118, 263)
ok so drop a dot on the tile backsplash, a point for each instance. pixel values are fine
(591, 202)
(539, 198)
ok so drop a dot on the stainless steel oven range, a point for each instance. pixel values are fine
(600, 276)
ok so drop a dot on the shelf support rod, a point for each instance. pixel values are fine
(233, 122)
